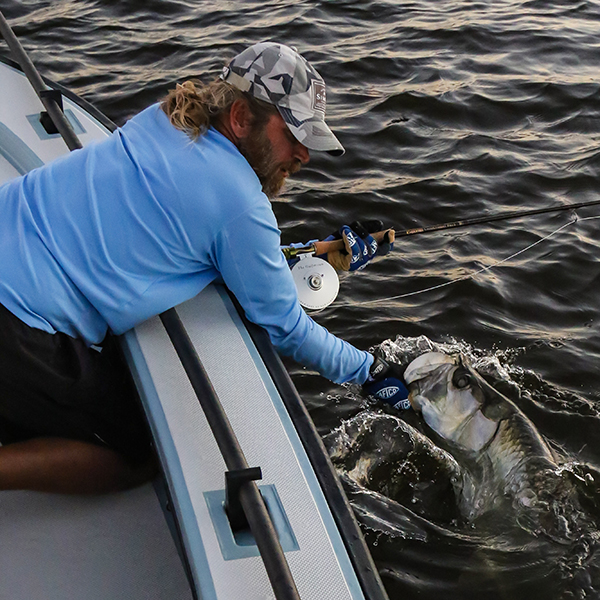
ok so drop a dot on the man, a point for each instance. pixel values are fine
(110, 235)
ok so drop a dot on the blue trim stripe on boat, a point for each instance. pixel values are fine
(17, 152)
(176, 480)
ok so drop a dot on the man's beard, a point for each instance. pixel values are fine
(257, 150)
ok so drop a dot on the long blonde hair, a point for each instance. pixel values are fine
(193, 106)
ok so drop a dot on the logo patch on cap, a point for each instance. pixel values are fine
(318, 96)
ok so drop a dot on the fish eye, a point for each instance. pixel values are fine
(461, 379)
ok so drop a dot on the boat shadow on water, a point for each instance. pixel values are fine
(443, 521)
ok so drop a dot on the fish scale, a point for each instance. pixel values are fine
(516, 452)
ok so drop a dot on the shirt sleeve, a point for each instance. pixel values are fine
(248, 256)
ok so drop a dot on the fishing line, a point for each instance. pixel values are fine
(576, 219)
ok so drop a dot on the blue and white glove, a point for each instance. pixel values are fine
(386, 383)
(359, 251)
(359, 246)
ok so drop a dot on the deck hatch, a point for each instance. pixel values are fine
(41, 132)
(241, 544)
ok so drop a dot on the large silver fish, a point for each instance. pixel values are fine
(462, 408)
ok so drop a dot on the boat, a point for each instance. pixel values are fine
(247, 504)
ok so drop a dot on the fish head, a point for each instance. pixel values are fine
(454, 400)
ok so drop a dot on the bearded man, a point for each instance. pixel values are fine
(117, 232)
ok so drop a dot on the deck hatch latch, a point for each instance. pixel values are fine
(45, 118)
(233, 507)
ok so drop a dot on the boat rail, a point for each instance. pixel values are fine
(241, 484)
(51, 98)
(358, 551)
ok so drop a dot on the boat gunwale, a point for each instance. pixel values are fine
(72, 96)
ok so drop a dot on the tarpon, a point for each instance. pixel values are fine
(465, 410)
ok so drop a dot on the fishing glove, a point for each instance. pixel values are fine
(359, 245)
(386, 383)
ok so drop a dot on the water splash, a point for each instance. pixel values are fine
(405, 484)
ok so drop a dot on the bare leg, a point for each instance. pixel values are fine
(67, 467)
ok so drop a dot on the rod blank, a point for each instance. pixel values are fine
(492, 218)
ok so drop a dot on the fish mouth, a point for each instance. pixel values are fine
(425, 364)
(471, 409)
(472, 434)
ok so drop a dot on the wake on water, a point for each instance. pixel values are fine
(406, 484)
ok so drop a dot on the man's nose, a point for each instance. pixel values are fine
(301, 153)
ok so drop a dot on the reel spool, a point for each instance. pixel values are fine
(316, 281)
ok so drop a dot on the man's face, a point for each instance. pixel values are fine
(274, 153)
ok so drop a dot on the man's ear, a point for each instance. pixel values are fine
(240, 118)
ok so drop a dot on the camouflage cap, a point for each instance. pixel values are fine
(278, 75)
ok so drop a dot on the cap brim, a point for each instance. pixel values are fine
(314, 134)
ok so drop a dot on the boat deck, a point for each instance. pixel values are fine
(195, 469)
(115, 547)
(173, 539)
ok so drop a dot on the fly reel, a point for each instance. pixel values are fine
(316, 281)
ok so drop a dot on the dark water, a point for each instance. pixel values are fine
(448, 110)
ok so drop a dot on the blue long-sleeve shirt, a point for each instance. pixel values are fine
(124, 229)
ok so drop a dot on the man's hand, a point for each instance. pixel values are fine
(349, 248)
(359, 245)
(386, 383)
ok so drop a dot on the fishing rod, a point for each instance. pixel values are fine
(500, 217)
(324, 247)
(51, 99)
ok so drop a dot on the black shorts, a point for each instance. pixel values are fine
(52, 385)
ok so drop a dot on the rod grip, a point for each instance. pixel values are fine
(324, 247)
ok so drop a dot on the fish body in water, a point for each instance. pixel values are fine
(470, 477)
(385, 454)
(465, 410)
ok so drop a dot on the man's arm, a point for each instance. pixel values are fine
(247, 254)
